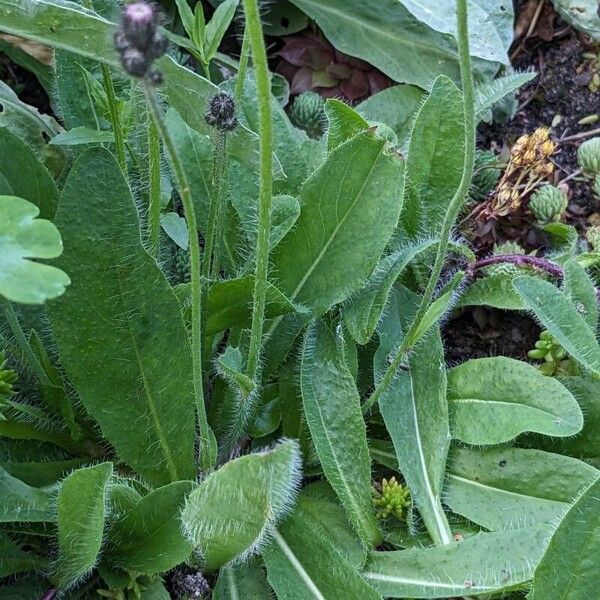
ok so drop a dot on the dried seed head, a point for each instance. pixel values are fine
(221, 112)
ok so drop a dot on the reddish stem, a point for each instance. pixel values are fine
(49, 595)
(520, 260)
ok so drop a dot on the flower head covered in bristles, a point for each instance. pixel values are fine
(221, 112)
(139, 42)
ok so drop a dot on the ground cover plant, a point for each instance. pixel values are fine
(229, 364)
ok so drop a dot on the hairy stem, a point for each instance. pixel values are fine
(242, 68)
(519, 260)
(453, 209)
(207, 457)
(154, 200)
(23, 343)
(115, 119)
(259, 56)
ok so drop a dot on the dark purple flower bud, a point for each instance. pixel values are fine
(134, 62)
(139, 24)
(221, 112)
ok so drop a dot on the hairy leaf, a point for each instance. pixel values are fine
(23, 237)
(333, 413)
(580, 289)
(496, 291)
(120, 333)
(14, 560)
(558, 315)
(350, 207)
(569, 570)
(247, 581)
(21, 502)
(344, 123)
(493, 400)
(503, 488)
(81, 513)
(236, 508)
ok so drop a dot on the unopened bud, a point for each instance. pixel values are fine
(221, 112)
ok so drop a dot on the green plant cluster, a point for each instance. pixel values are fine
(219, 437)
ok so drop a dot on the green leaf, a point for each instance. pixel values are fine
(304, 563)
(581, 14)
(350, 207)
(148, 539)
(435, 156)
(44, 473)
(187, 17)
(245, 498)
(333, 413)
(131, 325)
(489, 93)
(247, 581)
(284, 214)
(394, 106)
(558, 315)
(387, 36)
(580, 289)
(568, 570)
(344, 123)
(176, 228)
(81, 514)
(496, 291)
(25, 176)
(230, 365)
(217, 27)
(482, 564)
(23, 237)
(504, 488)
(82, 135)
(493, 400)
(415, 413)
(14, 560)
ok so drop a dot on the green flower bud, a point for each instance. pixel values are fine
(308, 113)
(588, 156)
(390, 498)
(548, 204)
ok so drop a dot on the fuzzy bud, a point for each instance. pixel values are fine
(588, 156)
(221, 112)
(548, 204)
(308, 113)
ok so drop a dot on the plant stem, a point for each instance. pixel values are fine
(519, 259)
(207, 458)
(113, 111)
(154, 200)
(23, 343)
(259, 55)
(243, 67)
(453, 209)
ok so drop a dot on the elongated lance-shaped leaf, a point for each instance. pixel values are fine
(304, 563)
(14, 560)
(81, 513)
(21, 502)
(69, 26)
(349, 209)
(148, 539)
(120, 334)
(236, 508)
(332, 408)
(559, 316)
(580, 289)
(245, 581)
(502, 488)
(435, 157)
(483, 564)
(490, 92)
(569, 569)
(492, 400)
(363, 311)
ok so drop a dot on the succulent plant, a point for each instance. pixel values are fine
(588, 156)
(485, 176)
(310, 62)
(548, 204)
(390, 498)
(308, 113)
(592, 235)
(554, 356)
(506, 268)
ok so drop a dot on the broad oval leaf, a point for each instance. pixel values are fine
(493, 400)
(120, 334)
(496, 291)
(569, 569)
(344, 123)
(81, 513)
(148, 539)
(349, 209)
(304, 563)
(560, 317)
(22, 237)
(482, 564)
(235, 508)
(332, 408)
(504, 488)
